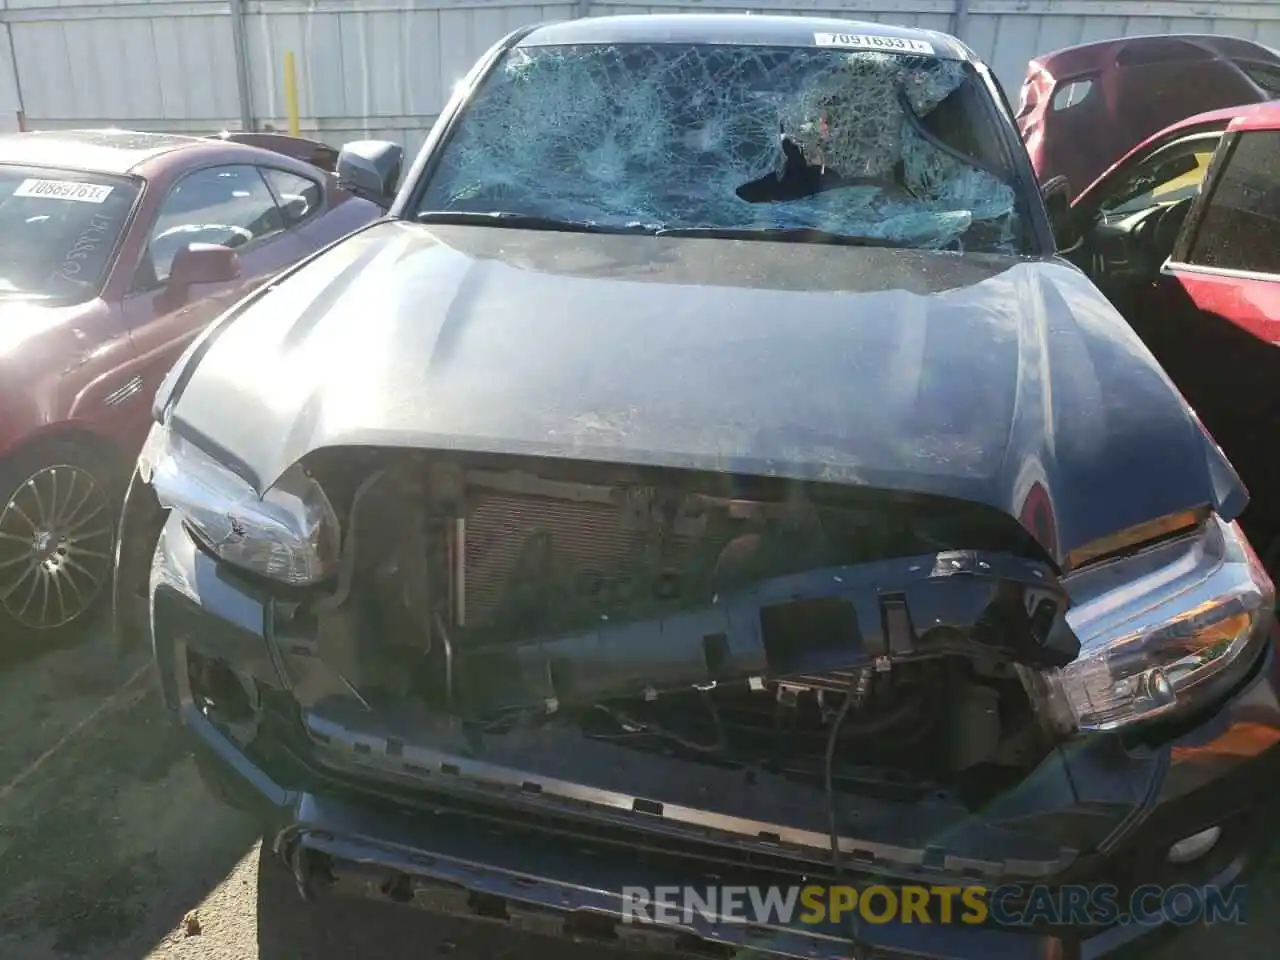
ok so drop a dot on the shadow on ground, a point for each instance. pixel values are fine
(111, 839)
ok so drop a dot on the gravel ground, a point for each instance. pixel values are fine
(110, 848)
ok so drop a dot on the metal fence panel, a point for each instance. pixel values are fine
(10, 98)
(157, 66)
(374, 69)
(1008, 33)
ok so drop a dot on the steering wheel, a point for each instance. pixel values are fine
(1133, 247)
(1165, 227)
(222, 229)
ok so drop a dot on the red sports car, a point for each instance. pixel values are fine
(1183, 236)
(116, 248)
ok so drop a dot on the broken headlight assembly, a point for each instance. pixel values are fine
(1169, 629)
(289, 534)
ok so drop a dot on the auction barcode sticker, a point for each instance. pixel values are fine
(855, 41)
(64, 190)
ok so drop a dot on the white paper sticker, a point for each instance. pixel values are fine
(854, 41)
(64, 190)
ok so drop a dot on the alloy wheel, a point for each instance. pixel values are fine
(55, 546)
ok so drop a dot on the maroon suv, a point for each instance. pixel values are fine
(116, 248)
(1082, 108)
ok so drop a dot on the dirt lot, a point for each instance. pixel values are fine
(108, 841)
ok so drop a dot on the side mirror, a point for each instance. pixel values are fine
(202, 263)
(1057, 201)
(371, 169)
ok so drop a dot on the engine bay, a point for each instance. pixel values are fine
(836, 638)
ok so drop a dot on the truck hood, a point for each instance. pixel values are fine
(1003, 381)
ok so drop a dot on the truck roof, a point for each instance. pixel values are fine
(747, 29)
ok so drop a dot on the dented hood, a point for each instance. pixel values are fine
(1003, 381)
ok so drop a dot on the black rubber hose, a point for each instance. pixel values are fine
(879, 724)
(836, 864)
(828, 778)
(653, 729)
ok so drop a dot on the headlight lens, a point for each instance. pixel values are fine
(1165, 629)
(290, 534)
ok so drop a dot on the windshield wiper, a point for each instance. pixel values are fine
(524, 221)
(792, 234)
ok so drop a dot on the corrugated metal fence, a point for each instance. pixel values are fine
(383, 68)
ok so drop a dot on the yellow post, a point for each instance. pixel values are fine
(291, 92)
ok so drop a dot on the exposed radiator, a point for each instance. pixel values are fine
(584, 540)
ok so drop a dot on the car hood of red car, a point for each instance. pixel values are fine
(35, 333)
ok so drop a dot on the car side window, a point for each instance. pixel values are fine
(228, 205)
(1266, 76)
(1240, 226)
(299, 197)
(1071, 94)
(1167, 176)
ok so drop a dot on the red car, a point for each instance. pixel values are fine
(1083, 107)
(116, 248)
(1183, 236)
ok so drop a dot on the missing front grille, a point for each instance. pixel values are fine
(792, 631)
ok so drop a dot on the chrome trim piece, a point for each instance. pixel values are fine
(1186, 521)
(1179, 266)
(120, 394)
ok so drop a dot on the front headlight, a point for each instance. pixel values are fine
(1166, 629)
(289, 534)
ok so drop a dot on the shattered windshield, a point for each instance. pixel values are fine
(863, 144)
(58, 231)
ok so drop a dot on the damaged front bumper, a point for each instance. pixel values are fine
(375, 837)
